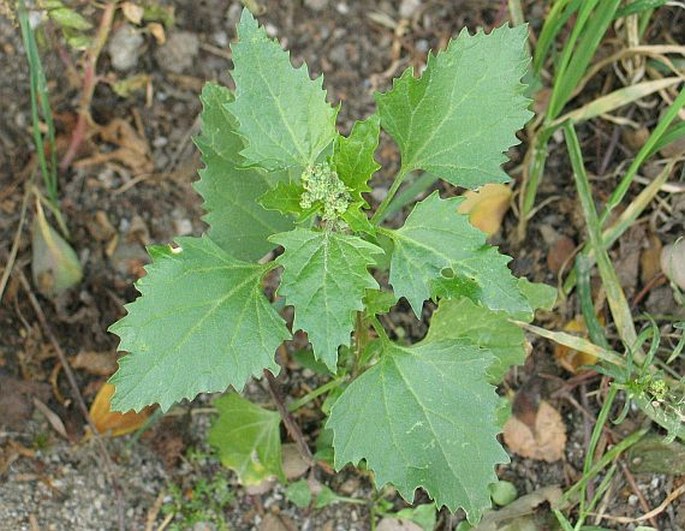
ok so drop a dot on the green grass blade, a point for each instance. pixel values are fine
(588, 33)
(39, 99)
(558, 16)
(620, 310)
(639, 6)
(642, 155)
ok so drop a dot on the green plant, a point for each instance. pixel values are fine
(278, 173)
(205, 502)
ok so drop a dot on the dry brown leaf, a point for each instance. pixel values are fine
(294, 465)
(650, 259)
(98, 363)
(560, 253)
(157, 31)
(277, 522)
(487, 206)
(133, 150)
(570, 359)
(112, 423)
(546, 442)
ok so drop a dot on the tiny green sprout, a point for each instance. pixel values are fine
(321, 183)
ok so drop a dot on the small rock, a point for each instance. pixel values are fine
(179, 52)
(316, 5)
(124, 48)
(293, 464)
(409, 7)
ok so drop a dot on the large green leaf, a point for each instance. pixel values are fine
(435, 240)
(248, 439)
(237, 223)
(424, 416)
(282, 113)
(459, 319)
(458, 118)
(325, 277)
(201, 324)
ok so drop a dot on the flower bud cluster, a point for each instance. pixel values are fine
(321, 183)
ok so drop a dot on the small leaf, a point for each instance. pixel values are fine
(283, 114)
(673, 262)
(54, 264)
(324, 278)
(353, 157)
(201, 324)
(299, 494)
(66, 17)
(112, 423)
(238, 224)
(248, 439)
(424, 416)
(434, 238)
(458, 118)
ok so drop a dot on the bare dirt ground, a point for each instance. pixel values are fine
(129, 186)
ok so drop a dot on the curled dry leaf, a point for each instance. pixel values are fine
(487, 206)
(54, 264)
(673, 262)
(112, 423)
(545, 441)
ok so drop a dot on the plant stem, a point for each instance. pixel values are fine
(288, 420)
(297, 404)
(399, 178)
(90, 80)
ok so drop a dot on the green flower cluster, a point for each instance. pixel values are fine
(321, 183)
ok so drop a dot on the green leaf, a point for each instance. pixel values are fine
(248, 439)
(283, 113)
(424, 416)
(238, 224)
(424, 516)
(285, 198)
(353, 158)
(538, 295)
(459, 319)
(458, 118)
(299, 493)
(324, 278)
(201, 324)
(435, 240)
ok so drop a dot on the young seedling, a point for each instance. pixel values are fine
(279, 174)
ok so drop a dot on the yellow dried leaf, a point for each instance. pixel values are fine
(487, 206)
(571, 359)
(112, 423)
(157, 31)
(545, 442)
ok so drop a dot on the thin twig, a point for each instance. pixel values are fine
(636, 489)
(15, 245)
(654, 512)
(290, 424)
(47, 330)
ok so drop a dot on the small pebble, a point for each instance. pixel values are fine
(125, 47)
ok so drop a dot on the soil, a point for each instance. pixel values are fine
(130, 185)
